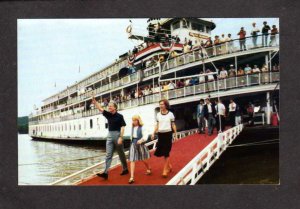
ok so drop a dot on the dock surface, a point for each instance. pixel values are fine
(183, 151)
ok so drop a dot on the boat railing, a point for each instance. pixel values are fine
(198, 53)
(89, 172)
(194, 55)
(243, 81)
(199, 165)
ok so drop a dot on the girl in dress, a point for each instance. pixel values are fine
(138, 151)
(164, 128)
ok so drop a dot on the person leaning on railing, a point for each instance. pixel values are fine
(248, 69)
(265, 73)
(274, 32)
(255, 69)
(240, 73)
(223, 73)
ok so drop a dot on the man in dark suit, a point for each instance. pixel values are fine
(200, 117)
(209, 114)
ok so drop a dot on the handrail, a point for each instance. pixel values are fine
(195, 169)
(87, 173)
(224, 84)
(227, 47)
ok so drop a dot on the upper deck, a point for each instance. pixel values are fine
(176, 63)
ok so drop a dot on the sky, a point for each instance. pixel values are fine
(51, 51)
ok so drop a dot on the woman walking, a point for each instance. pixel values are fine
(138, 151)
(164, 127)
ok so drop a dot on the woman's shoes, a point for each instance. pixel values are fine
(149, 171)
(165, 174)
(170, 169)
(131, 180)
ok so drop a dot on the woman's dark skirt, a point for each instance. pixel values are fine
(164, 144)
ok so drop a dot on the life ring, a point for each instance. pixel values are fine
(129, 29)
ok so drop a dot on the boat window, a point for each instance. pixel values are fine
(198, 27)
(186, 24)
(176, 25)
(91, 123)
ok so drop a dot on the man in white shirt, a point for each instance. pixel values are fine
(187, 82)
(256, 69)
(171, 85)
(254, 34)
(223, 73)
(232, 109)
(220, 113)
(201, 78)
(248, 69)
(229, 42)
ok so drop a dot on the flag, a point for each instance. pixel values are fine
(55, 84)
(79, 69)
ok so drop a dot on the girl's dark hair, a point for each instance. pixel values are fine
(166, 103)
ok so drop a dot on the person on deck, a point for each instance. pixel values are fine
(138, 151)
(274, 31)
(230, 44)
(164, 128)
(200, 117)
(254, 34)
(220, 115)
(116, 127)
(265, 33)
(232, 111)
(209, 115)
(242, 36)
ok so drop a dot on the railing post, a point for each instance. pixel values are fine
(194, 58)
(247, 79)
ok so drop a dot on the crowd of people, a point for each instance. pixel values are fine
(223, 73)
(221, 43)
(164, 129)
(213, 113)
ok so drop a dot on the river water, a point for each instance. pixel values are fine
(43, 162)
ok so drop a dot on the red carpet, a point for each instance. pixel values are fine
(182, 152)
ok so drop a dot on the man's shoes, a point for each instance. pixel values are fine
(102, 175)
(124, 172)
